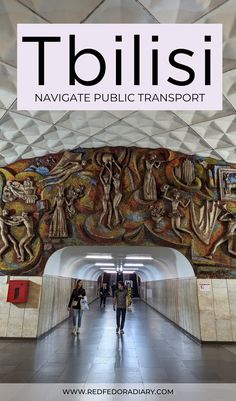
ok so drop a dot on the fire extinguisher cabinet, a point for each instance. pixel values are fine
(18, 291)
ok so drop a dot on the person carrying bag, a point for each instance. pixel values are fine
(84, 304)
(78, 302)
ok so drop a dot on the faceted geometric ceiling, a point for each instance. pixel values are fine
(28, 134)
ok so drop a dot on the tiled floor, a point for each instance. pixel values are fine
(151, 350)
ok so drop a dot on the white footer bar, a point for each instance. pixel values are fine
(117, 391)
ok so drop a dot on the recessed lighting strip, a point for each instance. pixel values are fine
(138, 257)
(104, 264)
(98, 256)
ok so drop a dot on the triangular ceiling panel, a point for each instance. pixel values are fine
(26, 134)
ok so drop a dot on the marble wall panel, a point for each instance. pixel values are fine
(208, 325)
(217, 304)
(30, 323)
(205, 308)
(56, 293)
(231, 284)
(224, 330)
(45, 308)
(14, 327)
(176, 299)
(20, 320)
(233, 325)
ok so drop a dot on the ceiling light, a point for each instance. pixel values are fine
(104, 264)
(110, 271)
(133, 264)
(98, 257)
(128, 272)
(139, 257)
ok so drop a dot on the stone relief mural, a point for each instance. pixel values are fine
(118, 196)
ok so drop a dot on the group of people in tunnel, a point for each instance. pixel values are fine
(121, 301)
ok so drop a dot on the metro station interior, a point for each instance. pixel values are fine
(144, 197)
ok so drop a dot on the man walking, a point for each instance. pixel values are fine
(103, 294)
(120, 302)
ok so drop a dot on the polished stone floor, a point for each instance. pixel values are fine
(151, 350)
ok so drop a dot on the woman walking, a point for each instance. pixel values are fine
(76, 296)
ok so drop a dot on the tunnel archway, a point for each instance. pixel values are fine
(167, 279)
(150, 263)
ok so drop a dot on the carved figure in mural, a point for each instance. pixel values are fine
(103, 157)
(149, 183)
(109, 160)
(5, 234)
(30, 191)
(70, 163)
(157, 215)
(176, 214)
(15, 190)
(186, 172)
(58, 225)
(106, 179)
(110, 177)
(117, 198)
(7, 195)
(27, 221)
(205, 174)
(230, 232)
(204, 219)
(72, 195)
(12, 191)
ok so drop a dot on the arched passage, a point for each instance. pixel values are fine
(150, 263)
(168, 283)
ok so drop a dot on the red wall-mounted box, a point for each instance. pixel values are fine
(18, 291)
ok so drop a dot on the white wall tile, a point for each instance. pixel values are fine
(224, 330)
(177, 300)
(208, 325)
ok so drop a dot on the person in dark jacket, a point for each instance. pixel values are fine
(76, 296)
(103, 294)
(113, 288)
(120, 303)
